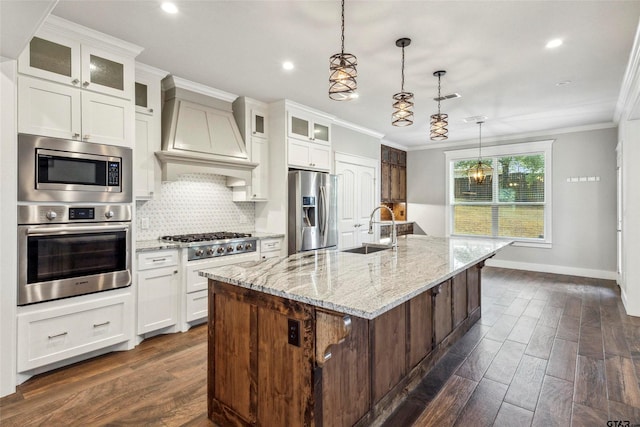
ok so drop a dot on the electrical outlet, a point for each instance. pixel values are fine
(293, 333)
(144, 223)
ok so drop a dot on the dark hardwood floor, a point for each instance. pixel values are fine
(548, 350)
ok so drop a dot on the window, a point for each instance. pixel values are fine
(513, 202)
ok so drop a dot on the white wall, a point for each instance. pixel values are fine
(8, 248)
(349, 141)
(584, 214)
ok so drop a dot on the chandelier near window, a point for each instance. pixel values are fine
(479, 171)
(403, 101)
(343, 73)
(439, 121)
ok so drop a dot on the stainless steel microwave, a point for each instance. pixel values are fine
(62, 170)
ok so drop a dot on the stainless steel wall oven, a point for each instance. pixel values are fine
(61, 170)
(69, 250)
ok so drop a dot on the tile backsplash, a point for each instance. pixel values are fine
(195, 203)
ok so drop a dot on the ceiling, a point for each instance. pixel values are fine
(493, 51)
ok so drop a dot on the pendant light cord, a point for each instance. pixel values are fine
(342, 28)
(439, 94)
(402, 85)
(480, 142)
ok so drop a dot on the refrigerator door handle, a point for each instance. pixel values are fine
(325, 215)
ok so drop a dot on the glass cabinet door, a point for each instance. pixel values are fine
(298, 127)
(258, 123)
(320, 132)
(53, 58)
(107, 73)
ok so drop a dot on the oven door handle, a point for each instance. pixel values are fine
(68, 230)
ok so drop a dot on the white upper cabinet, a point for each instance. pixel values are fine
(78, 56)
(60, 111)
(77, 83)
(309, 128)
(252, 119)
(148, 130)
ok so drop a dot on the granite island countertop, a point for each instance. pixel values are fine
(361, 285)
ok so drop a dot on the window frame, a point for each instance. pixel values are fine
(520, 149)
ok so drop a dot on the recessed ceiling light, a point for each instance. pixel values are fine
(287, 65)
(553, 43)
(169, 7)
(564, 83)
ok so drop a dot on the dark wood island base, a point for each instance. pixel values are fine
(278, 362)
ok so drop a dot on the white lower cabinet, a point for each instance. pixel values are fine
(51, 335)
(270, 248)
(197, 307)
(158, 282)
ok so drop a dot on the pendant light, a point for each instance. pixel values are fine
(342, 68)
(403, 105)
(479, 172)
(439, 121)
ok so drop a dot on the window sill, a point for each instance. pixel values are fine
(542, 245)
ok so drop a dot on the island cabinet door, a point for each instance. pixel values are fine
(442, 319)
(459, 296)
(419, 328)
(260, 359)
(388, 348)
(344, 378)
(473, 288)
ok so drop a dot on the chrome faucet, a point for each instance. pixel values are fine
(394, 237)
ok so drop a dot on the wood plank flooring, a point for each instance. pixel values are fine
(548, 350)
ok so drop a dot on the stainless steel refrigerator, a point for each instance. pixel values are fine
(313, 212)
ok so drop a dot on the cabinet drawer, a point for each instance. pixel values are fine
(157, 259)
(270, 245)
(49, 336)
(197, 307)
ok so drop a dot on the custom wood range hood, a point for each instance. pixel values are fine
(199, 133)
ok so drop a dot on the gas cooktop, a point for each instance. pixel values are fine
(215, 244)
(205, 237)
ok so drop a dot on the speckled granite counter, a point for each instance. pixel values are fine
(157, 244)
(361, 285)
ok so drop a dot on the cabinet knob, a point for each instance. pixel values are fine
(76, 135)
(85, 84)
(151, 110)
(254, 195)
(75, 81)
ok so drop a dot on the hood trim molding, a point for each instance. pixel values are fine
(176, 163)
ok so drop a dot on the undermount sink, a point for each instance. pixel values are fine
(367, 249)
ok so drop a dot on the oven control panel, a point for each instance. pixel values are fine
(62, 214)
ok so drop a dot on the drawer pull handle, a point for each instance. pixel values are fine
(196, 299)
(57, 335)
(97, 325)
(158, 259)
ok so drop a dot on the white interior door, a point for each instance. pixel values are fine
(357, 196)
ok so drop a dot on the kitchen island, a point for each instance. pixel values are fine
(337, 338)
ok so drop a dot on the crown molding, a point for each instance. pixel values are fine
(358, 128)
(538, 134)
(95, 38)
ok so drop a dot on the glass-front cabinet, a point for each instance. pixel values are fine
(307, 127)
(259, 126)
(66, 61)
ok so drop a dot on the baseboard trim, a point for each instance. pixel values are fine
(631, 311)
(556, 269)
